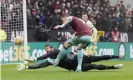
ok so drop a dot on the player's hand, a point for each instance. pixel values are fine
(57, 27)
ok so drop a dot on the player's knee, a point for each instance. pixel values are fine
(75, 49)
(67, 45)
(79, 47)
(85, 46)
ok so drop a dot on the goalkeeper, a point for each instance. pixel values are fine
(70, 61)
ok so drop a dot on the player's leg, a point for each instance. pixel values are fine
(104, 57)
(87, 67)
(69, 43)
(79, 56)
(99, 58)
(84, 40)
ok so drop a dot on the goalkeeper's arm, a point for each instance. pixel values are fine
(53, 53)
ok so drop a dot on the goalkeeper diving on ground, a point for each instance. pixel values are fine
(70, 62)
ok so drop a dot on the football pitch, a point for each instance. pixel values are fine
(9, 72)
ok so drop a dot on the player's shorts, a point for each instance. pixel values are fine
(84, 40)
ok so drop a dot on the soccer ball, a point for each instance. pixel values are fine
(19, 40)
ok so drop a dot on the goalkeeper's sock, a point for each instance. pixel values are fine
(80, 59)
(60, 55)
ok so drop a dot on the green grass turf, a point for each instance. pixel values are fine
(9, 72)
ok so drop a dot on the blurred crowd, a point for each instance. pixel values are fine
(106, 17)
(102, 14)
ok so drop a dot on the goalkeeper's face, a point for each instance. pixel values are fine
(48, 49)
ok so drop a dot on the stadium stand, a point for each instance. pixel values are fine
(102, 14)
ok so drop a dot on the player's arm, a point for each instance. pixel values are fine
(51, 54)
(65, 22)
(94, 30)
(43, 64)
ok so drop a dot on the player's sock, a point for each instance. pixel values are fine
(113, 56)
(60, 55)
(103, 67)
(110, 67)
(26, 67)
(32, 67)
(80, 59)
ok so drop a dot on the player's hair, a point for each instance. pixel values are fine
(48, 45)
(84, 13)
(66, 11)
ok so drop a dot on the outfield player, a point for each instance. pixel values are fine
(69, 62)
(81, 38)
(91, 26)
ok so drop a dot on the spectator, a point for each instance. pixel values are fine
(33, 18)
(89, 8)
(49, 9)
(107, 37)
(132, 23)
(40, 4)
(127, 23)
(93, 21)
(99, 22)
(69, 8)
(122, 22)
(63, 6)
(75, 10)
(56, 19)
(115, 35)
(29, 19)
(57, 5)
(72, 3)
(117, 21)
(36, 5)
(109, 22)
(112, 11)
(63, 1)
(118, 4)
(42, 18)
(122, 8)
(104, 15)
